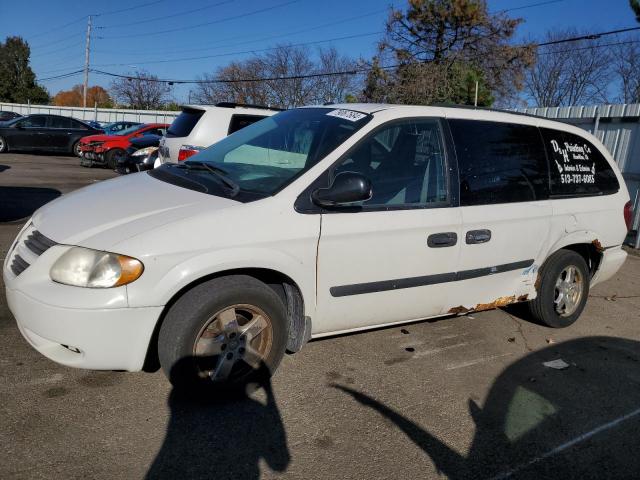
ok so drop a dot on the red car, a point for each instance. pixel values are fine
(105, 150)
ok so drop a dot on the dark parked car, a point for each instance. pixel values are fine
(4, 116)
(44, 132)
(141, 155)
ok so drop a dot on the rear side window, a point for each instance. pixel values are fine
(499, 162)
(184, 123)
(238, 122)
(576, 166)
(59, 122)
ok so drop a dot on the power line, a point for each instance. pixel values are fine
(186, 12)
(135, 7)
(213, 22)
(56, 42)
(590, 47)
(591, 36)
(217, 55)
(49, 30)
(531, 5)
(347, 72)
(260, 39)
(64, 75)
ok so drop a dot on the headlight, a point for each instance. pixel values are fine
(144, 152)
(83, 267)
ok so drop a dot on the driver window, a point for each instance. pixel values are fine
(405, 163)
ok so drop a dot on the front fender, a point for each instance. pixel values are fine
(158, 291)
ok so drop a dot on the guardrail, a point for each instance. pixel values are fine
(97, 114)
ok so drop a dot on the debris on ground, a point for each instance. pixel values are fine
(612, 298)
(557, 364)
(511, 339)
(404, 331)
(550, 341)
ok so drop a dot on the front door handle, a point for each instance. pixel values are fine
(478, 236)
(445, 239)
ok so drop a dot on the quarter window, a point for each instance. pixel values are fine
(405, 163)
(238, 122)
(60, 122)
(499, 162)
(576, 166)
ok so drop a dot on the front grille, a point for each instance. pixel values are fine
(18, 265)
(38, 243)
(33, 246)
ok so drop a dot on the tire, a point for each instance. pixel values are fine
(111, 157)
(75, 149)
(557, 305)
(201, 346)
(3, 145)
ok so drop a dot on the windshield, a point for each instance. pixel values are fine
(129, 130)
(266, 156)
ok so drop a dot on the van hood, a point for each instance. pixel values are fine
(107, 213)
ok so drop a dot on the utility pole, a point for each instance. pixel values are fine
(475, 102)
(86, 63)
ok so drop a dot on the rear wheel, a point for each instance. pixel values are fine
(223, 335)
(112, 157)
(3, 145)
(563, 290)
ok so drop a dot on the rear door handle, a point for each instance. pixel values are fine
(445, 239)
(478, 236)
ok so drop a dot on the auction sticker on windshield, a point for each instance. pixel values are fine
(347, 114)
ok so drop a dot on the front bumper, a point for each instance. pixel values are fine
(99, 339)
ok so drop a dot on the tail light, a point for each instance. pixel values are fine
(187, 151)
(628, 213)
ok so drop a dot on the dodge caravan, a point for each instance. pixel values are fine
(313, 222)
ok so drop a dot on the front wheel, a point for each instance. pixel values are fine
(563, 290)
(3, 145)
(112, 157)
(76, 149)
(223, 334)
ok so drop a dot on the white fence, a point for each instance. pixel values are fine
(97, 114)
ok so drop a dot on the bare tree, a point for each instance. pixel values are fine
(140, 90)
(569, 73)
(335, 87)
(284, 77)
(626, 69)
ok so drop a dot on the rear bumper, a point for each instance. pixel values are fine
(100, 339)
(612, 260)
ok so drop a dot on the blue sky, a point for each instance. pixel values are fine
(226, 30)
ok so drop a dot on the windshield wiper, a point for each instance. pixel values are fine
(220, 173)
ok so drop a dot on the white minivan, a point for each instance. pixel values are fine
(313, 222)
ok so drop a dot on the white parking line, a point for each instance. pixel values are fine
(454, 366)
(569, 444)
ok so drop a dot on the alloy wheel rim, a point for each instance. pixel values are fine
(1, 144)
(233, 342)
(568, 291)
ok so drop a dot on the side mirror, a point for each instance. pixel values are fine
(347, 188)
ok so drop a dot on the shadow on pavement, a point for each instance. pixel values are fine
(538, 422)
(222, 438)
(4, 167)
(21, 202)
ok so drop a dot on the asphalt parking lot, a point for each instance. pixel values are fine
(461, 397)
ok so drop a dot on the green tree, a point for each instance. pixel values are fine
(17, 80)
(455, 42)
(635, 6)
